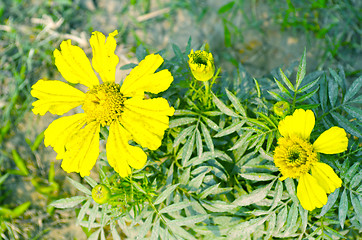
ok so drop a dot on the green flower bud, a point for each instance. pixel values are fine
(202, 65)
(101, 193)
(281, 108)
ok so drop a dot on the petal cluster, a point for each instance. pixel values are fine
(297, 158)
(122, 109)
(201, 64)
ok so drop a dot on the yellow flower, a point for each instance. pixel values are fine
(281, 108)
(295, 157)
(122, 109)
(201, 64)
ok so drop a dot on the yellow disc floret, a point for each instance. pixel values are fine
(103, 103)
(294, 156)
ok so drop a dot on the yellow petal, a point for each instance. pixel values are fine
(58, 132)
(55, 96)
(309, 193)
(120, 154)
(146, 120)
(301, 123)
(326, 177)
(82, 150)
(74, 65)
(144, 79)
(332, 141)
(104, 60)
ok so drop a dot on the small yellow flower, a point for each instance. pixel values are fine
(122, 109)
(281, 108)
(101, 194)
(295, 157)
(201, 64)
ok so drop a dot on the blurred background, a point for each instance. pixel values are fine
(261, 35)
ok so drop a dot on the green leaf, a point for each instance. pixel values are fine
(211, 124)
(145, 227)
(258, 176)
(20, 163)
(236, 126)
(333, 232)
(188, 149)
(226, 7)
(207, 137)
(175, 207)
(182, 112)
(227, 36)
(289, 184)
(356, 180)
(336, 77)
(306, 96)
(80, 187)
(351, 172)
(304, 217)
(222, 107)
(332, 198)
(301, 70)
(165, 194)
(128, 66)
(353, 89)
(242, 141)
(277, 96)
(208, 191)
(189, 221)
(308, 86)
(38, 140)
(84, 209)
(281, 219)
(236, 103)
(179, 231)
(3, 178)
(141, 53)
(183, 135)
(278, 195)
(68, 202)
(177, 52)
(254, 197)
(257, 87)
(286, 80)
(181, 121)
(198, 143)
(332, 92)
(357, 206)
(271, 225)
(292, 219)
(343, 208)
(90, 181)
(282, 88)
(19, 210)
(354, 112)
(347, 125)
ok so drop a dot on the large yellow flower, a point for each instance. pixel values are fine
(122, 109)
(295, 157)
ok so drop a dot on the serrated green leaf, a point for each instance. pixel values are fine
(286, 80)
(353, 89)
(90, 181)
(241, 141)
(95, 235)
(84, 209)
(332, 92)
(357, 206)
(304, 218)
(306, 96)
(182, 112)
(167, 192)
(128, 66)
(141, 53)
(189, 221)
(333, 232)
(181, 121)
(356, 180)
(38, 140)
(175, 207)
(301, 70)
(188, 149)
(277, 96)
(183, 135)
(19, 210)
(258, 176)
(257, 87)
(343, 208)
(20, 163)
(289, 184)
(211, 124)
(332, 198)
(222, 107)
(218, 206)
(177, 51)
(278, 195)
(208, 191)
(254, 197)
(198, 143)
(351, 172)
(282, 88)
(269, 142)
(291, 219)
(180, 231)
(354, 112)
(80, 187)
(347, 125)
(207, 137)
(336, 77)
(281, 219)
(68, 202)
(236, 126)
(145, 227)
(236, 103)
(308, 86)
(271, 225)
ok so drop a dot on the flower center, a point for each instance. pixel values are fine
(103, 103)
(294, 156)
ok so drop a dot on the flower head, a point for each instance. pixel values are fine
(201, 64)
(281, 108)
(101, 193)
(297, 158)
(121, 108)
